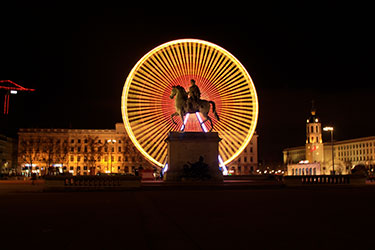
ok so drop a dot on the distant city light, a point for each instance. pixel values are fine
(304, 162)
(328, 128)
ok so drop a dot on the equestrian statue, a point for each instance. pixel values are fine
(191, 102)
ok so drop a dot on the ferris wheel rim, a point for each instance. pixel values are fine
(124, 97)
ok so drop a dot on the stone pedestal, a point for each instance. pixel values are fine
(189, 147)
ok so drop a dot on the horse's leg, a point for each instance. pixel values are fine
(204, 111)
(182, 119)
(212, 125)
(173, 115)
(206, 117)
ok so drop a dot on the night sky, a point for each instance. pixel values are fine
(78, 62)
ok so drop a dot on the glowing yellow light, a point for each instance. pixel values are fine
(328, 128)
(146, 108)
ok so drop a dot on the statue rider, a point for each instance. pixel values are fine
(194, 95)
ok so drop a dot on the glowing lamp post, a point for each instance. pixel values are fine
(333, 158)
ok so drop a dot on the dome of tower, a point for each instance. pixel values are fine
(313, 117)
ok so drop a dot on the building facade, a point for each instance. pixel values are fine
(78, 151)
(92, 151)
(318, 155)
(8, 155)
(247, 162)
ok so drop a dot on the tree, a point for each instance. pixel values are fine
(48, 154)
(62, 152)
(92, 152)
(29, 152)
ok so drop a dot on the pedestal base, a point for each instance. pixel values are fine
(187, 148)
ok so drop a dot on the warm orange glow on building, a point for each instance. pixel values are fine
(78, 151)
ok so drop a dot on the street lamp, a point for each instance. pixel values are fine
(333, 158)
(110, 154)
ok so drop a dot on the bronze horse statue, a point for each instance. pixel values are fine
(183, 105)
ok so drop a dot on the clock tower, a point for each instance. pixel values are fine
(314, 143)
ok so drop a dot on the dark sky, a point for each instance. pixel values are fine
(78, 62)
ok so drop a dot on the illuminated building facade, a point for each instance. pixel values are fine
(8, 155)
(247, 162)
(316, 157)
(78, 151)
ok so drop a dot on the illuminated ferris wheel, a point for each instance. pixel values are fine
(147, 108)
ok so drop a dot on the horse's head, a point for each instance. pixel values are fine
(174, 92)
(179, 91)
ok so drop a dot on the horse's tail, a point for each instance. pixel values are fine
(214, 110)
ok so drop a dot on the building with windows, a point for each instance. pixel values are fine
(78, 151)
(316, 156)
(92, 151)
(247, 162)
(8, 155)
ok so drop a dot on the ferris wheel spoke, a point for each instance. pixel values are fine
(217, 72)
(154, 68)
(147, 108)
(167, 66)
(173, 64)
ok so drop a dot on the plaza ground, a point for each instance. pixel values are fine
(242, 218)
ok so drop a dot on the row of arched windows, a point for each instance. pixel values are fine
(303, 171)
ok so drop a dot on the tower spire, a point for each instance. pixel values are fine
(313, 108)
